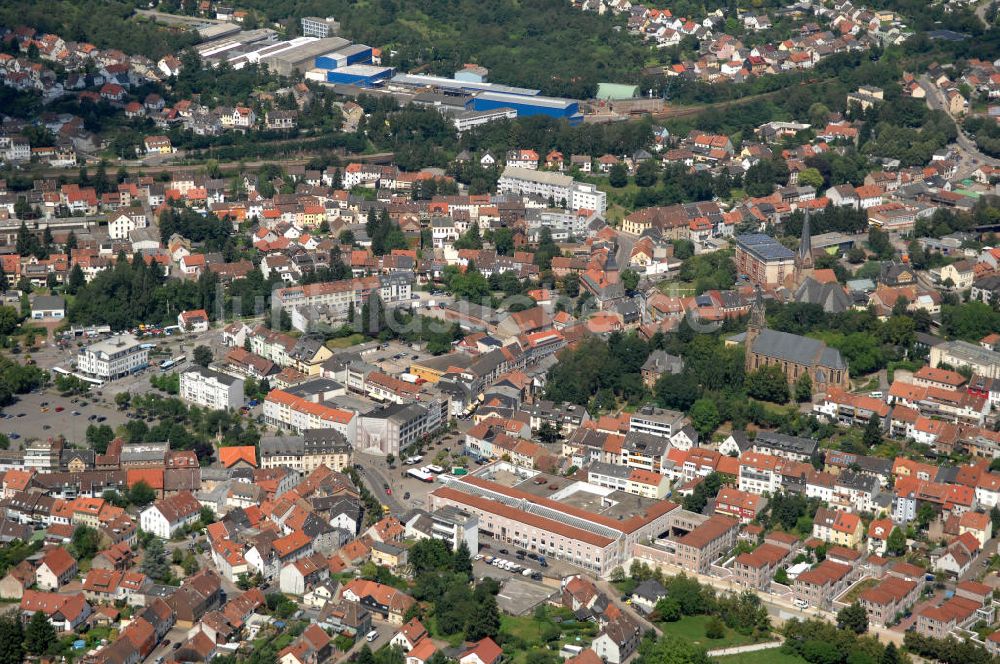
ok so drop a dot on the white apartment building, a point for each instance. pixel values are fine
(211, 389)
(124, 222)
(113, 358)
(165, 517)
(558, 187)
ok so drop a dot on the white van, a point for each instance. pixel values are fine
(371, 636)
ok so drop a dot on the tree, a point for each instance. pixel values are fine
(630, 280)
(11, 638)
(895, 544)
(647, 173)
(85, 542)
(346, 237)
(141, 494)
(39, 635)
(705, 416)
(77, 279)
(714, 628)
(462, 560)
(154, 560)
(618, 175)
(879, 243)
(678, 391)
(873, 432)
(668, 609)
(890, 655)
(803, 388)
(99, 437)
(203, 356)
(768, 384)
(811, 177)
(484, 620)
(853, 618)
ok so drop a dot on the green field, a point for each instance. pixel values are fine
(692, 628)
(345, 342)
(769, 656)
(523, 627)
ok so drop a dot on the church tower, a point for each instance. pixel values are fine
(804, 259)
(758, 322)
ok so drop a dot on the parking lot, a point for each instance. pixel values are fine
(46, 414)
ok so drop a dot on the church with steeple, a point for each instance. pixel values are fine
(796, 355)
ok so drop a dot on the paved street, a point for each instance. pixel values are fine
(969, 155)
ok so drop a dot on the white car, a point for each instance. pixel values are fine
(478, 556)
(801, 603)
(526, 572)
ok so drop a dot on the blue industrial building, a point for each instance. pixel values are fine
(365, 76)
(356, 54)
(565, 109)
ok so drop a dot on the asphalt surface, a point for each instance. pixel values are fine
(969, 155)
(30, 419)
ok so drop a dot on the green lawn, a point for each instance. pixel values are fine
(856, 591)
(524, 627)
(770, 656)
(345, 342)
(692, 628)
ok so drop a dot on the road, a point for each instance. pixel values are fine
(969, 155)
(176, 19)
(152, 167)
(981, 12)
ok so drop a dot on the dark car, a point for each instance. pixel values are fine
(535, 576)
(543, 563)
(406, 496)
(504, 552)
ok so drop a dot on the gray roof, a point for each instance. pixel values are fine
(830, 295)
(785, 443)
(610, 469)
(225, 379)
(47, 302)
(794, 348)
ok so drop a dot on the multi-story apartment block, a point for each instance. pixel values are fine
(211, 389)
(760, 473)
(560, 189)
(820, 585)
(306, 453)
(113, 358)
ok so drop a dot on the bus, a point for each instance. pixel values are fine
(60, 371)
(437, 470)
(167, 364)
(420, 474)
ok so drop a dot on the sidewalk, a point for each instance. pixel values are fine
(742, 649)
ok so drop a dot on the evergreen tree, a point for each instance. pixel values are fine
(24, 244)
(484, 620)
(463, 560)
(890, 655)
(70, 242)
(895, 545)
(154, 562)
(803, 388)
(853, 618)
(873, 432)
(39, 635)
(618, 175)
(77, 280)
(11, 638)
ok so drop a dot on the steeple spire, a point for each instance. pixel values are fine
(805, 257)
(758, 317)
